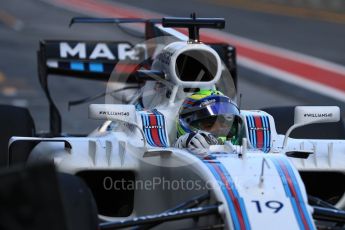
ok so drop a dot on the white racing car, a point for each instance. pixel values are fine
(137, 177)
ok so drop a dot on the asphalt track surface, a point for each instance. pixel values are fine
(24, 23)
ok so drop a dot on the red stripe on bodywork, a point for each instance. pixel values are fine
(259, 132)
(154, 131)
(232, 196)
(294, 194)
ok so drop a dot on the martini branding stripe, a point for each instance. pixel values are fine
(146, 131)
(235, 211)
(268, 133)
(149, 131)
(161, 123)
(235, 202)
(265, 133)
(252, 135)
(252, 131)
(154, 128)
(259, 132)
(249, 130)
(160, 131)
(237, 196)
(298, 191)
(293, 191)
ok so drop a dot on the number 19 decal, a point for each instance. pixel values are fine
(271, 204)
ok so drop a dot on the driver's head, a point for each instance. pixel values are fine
(210, 111)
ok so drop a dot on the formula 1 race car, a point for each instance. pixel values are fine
(136, 176)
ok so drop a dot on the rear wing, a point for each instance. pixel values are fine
(95, 60)
(91, 60)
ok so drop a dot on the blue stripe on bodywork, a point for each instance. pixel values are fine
(227, 196)
(298, 191)
(252, 125)
(96, 67)
(264, 147)
(251, 135)
(147, 118)
(237, 195)
(166, 140)
(266, 132)
(144, 117)
(161, 131)
(288, 193)
(295, 201)
(77, 66)
(235, 218)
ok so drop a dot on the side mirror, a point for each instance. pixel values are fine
(125, 114)
(116, 112)
(113, 112)
(316, 114)
(305, 115)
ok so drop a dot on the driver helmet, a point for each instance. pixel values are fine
(210, 111)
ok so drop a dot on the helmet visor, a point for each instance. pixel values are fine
(219, 118)
(220, 126)
(215, 109)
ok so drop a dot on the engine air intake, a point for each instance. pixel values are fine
(196, 65)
